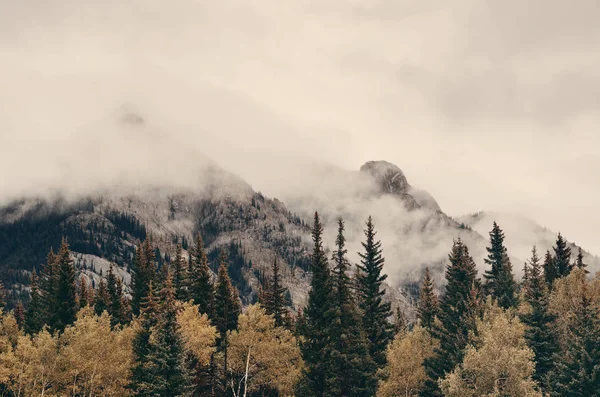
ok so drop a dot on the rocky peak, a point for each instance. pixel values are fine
(389, 177)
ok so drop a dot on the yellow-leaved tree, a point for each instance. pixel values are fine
(261, 355)
(95, 359)
(499, 364)
(404, 374)
(198, 334)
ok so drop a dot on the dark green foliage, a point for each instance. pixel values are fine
(102, 298)
(201, 288)
(370, 292)
(141, 379)
(143, 272)
(577, 370)
(85, 294)
(227, 306)
(48, 285)
(19, 314)
(274, 297)
(428, 308)
(539, 334)
(2, 297)
(399, 321)
(562, 257)
(550, 272)
(35, 316)
(459, 308)
(66, 294)
(499, 281)
(115, 294)
(166, 358)
(351, 371)
(315, 323)
(579, 261)
(181, 279)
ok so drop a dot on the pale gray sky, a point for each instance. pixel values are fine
(486, 104)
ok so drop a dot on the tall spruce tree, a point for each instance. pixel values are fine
(180, 275)
(429, 306)
(351, 370)
(66, 294)
(143, 272)
(48, 285)
(550, 272)
(19, 314)
(314, 325)
(166, 358)
(577, 370)
(85, 293)
(201, 286)
(562, 257)
(101, 298)
(2, 297)
(579, 261)
(35, 316)
(141, 380)
(227, 306)
(376, 311)
(459, 309)
(115, 294)
(499, 280)
(539, 333)
(274, 297)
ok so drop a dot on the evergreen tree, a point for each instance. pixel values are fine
(48, 285)
(274, 297)
(370, 291)
(399, 321)
(115, 294)
(351, 370)
(499, 281)
(227, 305)
(315, 323)
(579, 261)
(459, 308)
(201, 286)
(85, 293)
(577, 371)
(539, 333)
(66, 297)
(19, 314)
(35, 317)
(550, 272)
(429, 306)
(102, 298)
(143, 272)
(166, 359)
(141, 381)
(180, 275)
(2, 297)
(562, 257)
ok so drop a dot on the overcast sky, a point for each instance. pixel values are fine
(488, 105)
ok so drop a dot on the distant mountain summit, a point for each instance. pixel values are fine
(391, 180)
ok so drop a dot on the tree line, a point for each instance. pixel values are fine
(181, 331)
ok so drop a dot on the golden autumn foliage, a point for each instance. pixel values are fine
(95, 360)
(87, 359)
(499, 364)
(566, 300)
(199, 336)
(405, 374)
(262, 355)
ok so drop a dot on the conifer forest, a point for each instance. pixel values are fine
(181, 331)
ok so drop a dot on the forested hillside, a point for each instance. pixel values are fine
(178, 330)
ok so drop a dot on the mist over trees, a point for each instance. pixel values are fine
(181, 330)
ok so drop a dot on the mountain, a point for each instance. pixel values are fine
(522, 234)
(105, 225)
